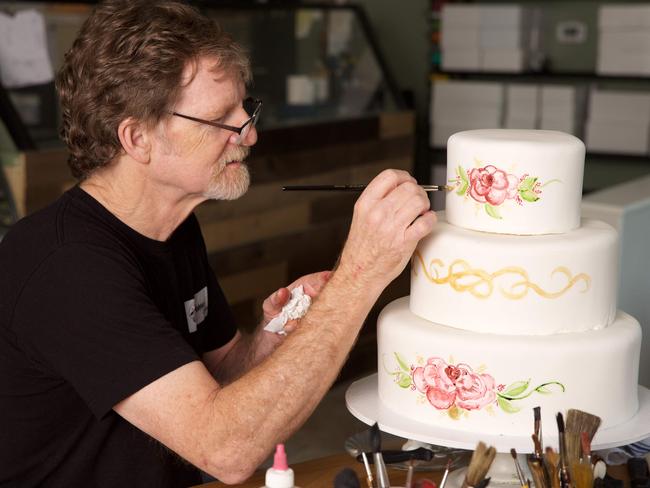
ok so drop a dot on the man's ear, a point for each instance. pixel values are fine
(135, 139)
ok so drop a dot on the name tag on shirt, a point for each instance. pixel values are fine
(196, 309)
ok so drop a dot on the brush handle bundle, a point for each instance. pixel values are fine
(479, 465)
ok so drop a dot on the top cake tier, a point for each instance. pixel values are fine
(524, 182)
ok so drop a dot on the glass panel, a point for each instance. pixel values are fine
(309, 64)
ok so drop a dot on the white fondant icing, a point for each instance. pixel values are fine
(598, 369)
(495, 164)
(506, 284)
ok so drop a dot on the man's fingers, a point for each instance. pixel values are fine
(312, 283)
(385, 182)
(274, 303)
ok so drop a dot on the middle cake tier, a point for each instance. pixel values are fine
(507, 284)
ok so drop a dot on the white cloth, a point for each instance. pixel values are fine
(295, 308)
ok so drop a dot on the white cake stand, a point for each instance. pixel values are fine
(362, 400)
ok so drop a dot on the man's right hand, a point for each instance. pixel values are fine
(390, 217)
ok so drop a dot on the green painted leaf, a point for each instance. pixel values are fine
(528, 183)
(402, 364)
(492, 211)
(516, 388)
(528, 195)
(462, 175)
(507, 406)
(545, 390)
(464, 182)
(404, 380)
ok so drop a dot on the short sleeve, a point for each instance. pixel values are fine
(86, 315)
(221, 326)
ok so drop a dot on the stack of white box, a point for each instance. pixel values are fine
(485, 37)
(559, 108)
(624, 39)
(464, 105)
(521, 106)
(618, 122)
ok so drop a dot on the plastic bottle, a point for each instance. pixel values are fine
(280, 475)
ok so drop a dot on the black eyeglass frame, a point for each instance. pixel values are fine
(251, 121)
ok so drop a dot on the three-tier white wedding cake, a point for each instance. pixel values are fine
(513, 297)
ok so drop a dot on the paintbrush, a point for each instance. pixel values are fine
(553, 466)
(565, 479)
(520, 473)
(484, 482)
(368, 470)
(577, 422)
(552, 459)
(356, 188)
(537, 416)
(479, 465)
(380, 467)
(444, 476)
(537, 465)
(581, 471)
(359, 445)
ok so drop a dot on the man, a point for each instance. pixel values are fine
(115, 338)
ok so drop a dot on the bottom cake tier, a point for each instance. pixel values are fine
(490, 383)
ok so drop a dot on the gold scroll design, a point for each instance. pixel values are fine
(462, 277)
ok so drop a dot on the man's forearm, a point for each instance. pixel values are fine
(275, 397)
(245, 354)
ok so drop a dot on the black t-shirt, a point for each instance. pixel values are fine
(91, 312)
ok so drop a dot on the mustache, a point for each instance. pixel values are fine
(238, 154)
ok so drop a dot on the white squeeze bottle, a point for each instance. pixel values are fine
(280, 475)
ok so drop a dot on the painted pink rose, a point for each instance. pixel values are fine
(446, 384)
(492, 185)
(433, 380)
(473, 390)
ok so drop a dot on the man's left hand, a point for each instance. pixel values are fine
(312, 285)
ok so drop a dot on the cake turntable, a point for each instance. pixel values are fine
(362, 400)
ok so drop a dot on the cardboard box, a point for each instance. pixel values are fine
(521, 106)
(623, 16)
(619, 106)
(503, 15)
(504, 60)
(454, 37)
(554, 96)
(562, 124)
(441, 132)
(461, 15)
(461, 59)
(617, 137)
(482, 116)
(522, 99)
(471, 93)
(616, 62)
(503, 38)
(629, 41)
(520, 123)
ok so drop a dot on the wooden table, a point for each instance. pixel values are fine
(320, 473)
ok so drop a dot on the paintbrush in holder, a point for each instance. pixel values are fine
(479, 465)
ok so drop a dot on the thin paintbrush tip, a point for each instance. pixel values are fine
(375, 438)
(537, 412)
(513, 453)
(560, 422)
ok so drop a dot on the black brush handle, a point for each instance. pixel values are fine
(392, 457)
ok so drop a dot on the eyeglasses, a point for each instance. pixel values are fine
(252, 106)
